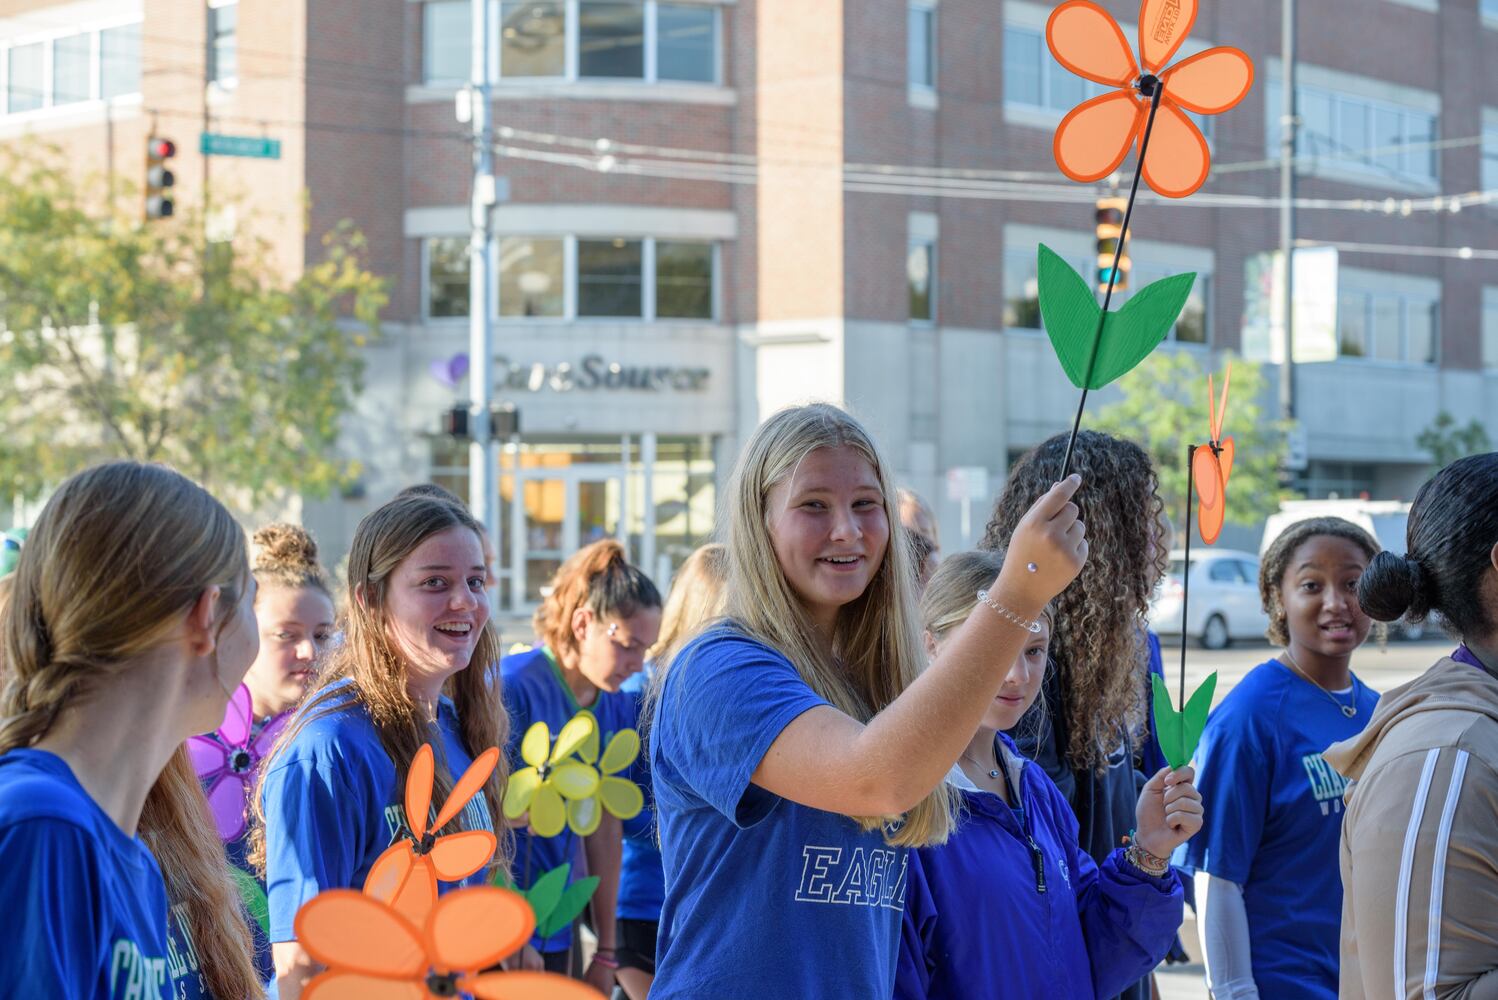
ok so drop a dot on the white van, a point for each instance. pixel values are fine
(1385, 520)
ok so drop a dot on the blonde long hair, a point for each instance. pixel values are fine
(384, 538)
(696, 598)
(876, 646)
(119, 554)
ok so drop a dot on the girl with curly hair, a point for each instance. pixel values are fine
(1269, 896)
(1085, 729)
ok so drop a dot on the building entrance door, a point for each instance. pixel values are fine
(559, 510)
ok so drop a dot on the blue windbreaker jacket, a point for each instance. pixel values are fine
(1010, 907)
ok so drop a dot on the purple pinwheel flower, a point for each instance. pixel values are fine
(226, 760)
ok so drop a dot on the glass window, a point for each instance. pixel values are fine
(1388, 140)
(609, 274)
(71, 59)
(919, 261)
(1314, 138)
(1386, 334)
(683, 280)
(1021, 291)
(611, 40)
(1490, 328)
(686, 43)
(1022, 66)
(1490, 158)
(25, 78)
(920, 44)
(531, 281)
(447, 277)
(1352, 325)
(533, 38)
(119, 61)
(446, 52)
(1421, 327)
(1490, 8)
(1224, 571)
(223, 47)
(1191, 327)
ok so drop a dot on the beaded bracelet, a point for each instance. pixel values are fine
(1032, 627)
(1144, 860)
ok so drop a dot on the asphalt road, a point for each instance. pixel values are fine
(1380, 667)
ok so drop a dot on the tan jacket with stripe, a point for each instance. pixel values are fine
(1420, 842)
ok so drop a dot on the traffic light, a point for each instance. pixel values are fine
(1110, 217)
(159, 178)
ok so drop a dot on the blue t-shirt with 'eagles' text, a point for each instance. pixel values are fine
(84, 914)
(764, 897)
(332, 806)
(1273, 821)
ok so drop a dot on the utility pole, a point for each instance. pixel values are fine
(483, 494)
(1288, 125)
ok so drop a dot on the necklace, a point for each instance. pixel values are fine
(993, 772)
(1350, 710)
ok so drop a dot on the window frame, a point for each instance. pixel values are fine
(571, 35)
(570, 313)
(1338, 165)
(929, 243)
(1407, 300)
(48, 40)
(927, 9)
(211, 52)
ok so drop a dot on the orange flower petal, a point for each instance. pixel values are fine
(352, 986)
(1163, 26)
(467, 786)
(472, 929)
(387, 876)
(1086, 40)
(419, 791)
(459, 855)
(419, 893)
(527, 986)
(1093, 139)
(357, 933)
(1212, 510)
(1177, 161)
(1210, 82)
(1226, 459)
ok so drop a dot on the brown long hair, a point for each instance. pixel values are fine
(384, 538)
(1098, 642)
(598, 577)
(286, 556)
(696, 598)
(161, 540)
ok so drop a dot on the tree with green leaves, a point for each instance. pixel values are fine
(123, 339)
(1165, 408)
(1445, 442)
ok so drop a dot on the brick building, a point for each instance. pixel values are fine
(714, 207)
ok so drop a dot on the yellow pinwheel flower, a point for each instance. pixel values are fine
(551, 777)
(620, 796)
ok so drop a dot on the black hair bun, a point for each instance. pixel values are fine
(1393, 587)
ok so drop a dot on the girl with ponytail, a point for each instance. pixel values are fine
(797, 749)
(294, 614)
(1419, 842)
(131, 622)
(597, 622)
(411, 671)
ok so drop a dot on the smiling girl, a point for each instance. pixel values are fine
(597, 622)
(1070, 927)
(410, 672)
(1268, 889)
(797, 748)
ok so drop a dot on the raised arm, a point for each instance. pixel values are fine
(828, 760)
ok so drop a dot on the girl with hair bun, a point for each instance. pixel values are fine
(1420, 840)
(798, 750)
(131, 623)
(1072, 928)
(294, 615)
(411, 671)
(1268, 894)
(598, 620)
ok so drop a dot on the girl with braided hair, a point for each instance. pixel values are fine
(131, 623)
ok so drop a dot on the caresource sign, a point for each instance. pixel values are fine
(596, 374)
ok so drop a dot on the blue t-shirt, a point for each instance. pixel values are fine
(332, 806)
(534, 692)
(1274, 821)
(761, 893)
(642, 882)
(86, 904)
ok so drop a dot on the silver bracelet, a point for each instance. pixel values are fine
(1033, 627)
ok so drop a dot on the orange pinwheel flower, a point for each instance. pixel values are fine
(1094, 138)
(1212, 464)
(405, 876)
(374, 953)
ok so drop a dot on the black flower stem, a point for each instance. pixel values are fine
(1123, 232)
(1186, 570)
